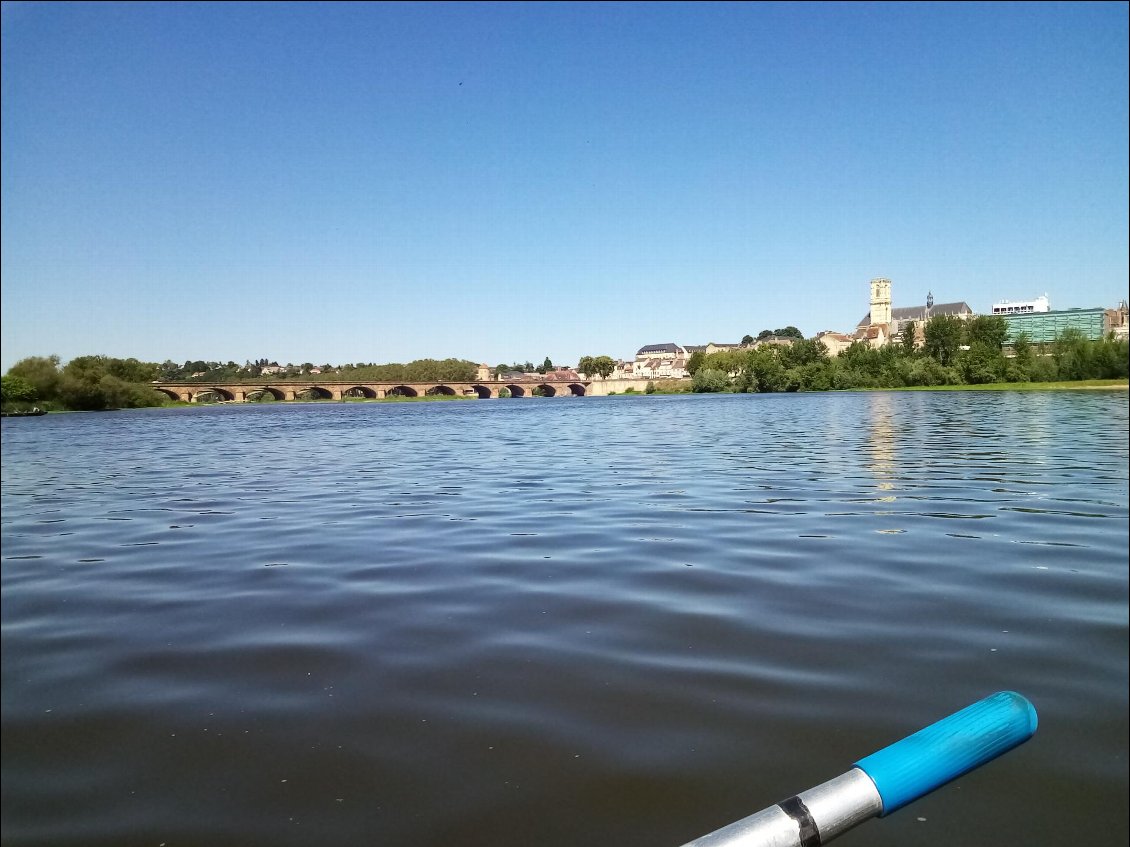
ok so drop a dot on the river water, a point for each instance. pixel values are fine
(624, 620)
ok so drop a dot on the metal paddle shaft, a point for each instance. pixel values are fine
(889, 779)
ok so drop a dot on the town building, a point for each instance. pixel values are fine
(485, 373)
(713, 347)
(624, 370)
(1118, 321)
(654, 351)
(660, 361)
(834, 342)
(772, 341)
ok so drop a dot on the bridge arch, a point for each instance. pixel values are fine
(481, 390)
(168, 392)
(360, 391)
(440, 390)
(206, 390)
(317, 391)
(402, 391)
(576, 389)
(516, 390)
(543, 390)
(273, 393)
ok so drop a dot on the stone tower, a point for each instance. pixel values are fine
(880, 301)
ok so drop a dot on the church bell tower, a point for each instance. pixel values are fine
(880, 301)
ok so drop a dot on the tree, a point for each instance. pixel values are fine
(604, 365)
(927, 371)
(727, 361)
(989, 330)
(710, 380)
(596, 366)
(546, 366)
(131, 370)
(816, 376)
(981, 363)
(169, 371)
(789, 332)
(15, 389)
(943, 338)
(1110, 358)
(1073, 355)
(765, 372)
(803, 352)
(695, 361)
(908, 333)
(862, 357)
(1021, 365)
(41, 372)
(90, 383)
(747, 339)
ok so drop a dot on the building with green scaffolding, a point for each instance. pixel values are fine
(1045, 327)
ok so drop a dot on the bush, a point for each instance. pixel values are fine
(709, 380)
(1044, 369)
(849, 377)
(927, 371)
(17, 390)
(816, 376)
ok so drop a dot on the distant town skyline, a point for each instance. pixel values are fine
(388, 182)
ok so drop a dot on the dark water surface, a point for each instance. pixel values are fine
(557, 622)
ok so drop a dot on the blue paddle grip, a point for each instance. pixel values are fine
(945, 750)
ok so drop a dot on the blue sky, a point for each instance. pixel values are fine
(500, 182)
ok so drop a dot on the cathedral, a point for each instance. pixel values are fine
(883, 324)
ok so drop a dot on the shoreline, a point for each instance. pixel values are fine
(1082, 385)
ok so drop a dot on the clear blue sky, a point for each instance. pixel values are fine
(386, 182)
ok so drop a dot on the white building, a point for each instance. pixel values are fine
(660, 361)
(1007, 307)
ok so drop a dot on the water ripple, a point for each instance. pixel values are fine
(621, 619)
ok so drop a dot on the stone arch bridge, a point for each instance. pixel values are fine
(292, 390)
